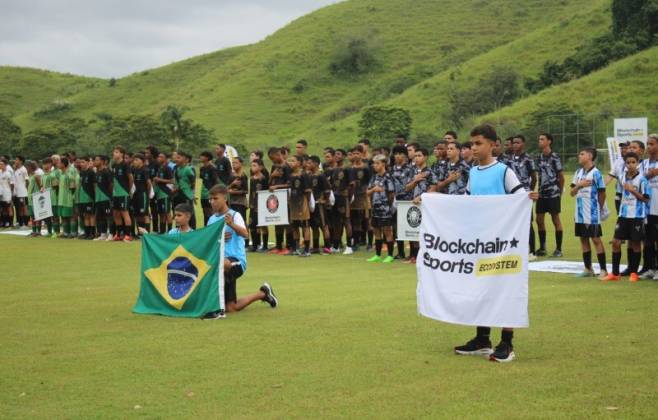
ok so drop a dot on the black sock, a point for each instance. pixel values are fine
(506, 336)
(378, 247)
(266, 240)
(616, 259)
(306, 245)
(542, 239)
(389, 247)
(162, 226)
(102, 227)
(634, 260)
(279, 240)
(483, 332)
(371, 236)
(587, 259)
(316, 240)
(401, 249)
(602, 262)
(648, 256)
(558, 240)
(290, 240)
(255, 238)
(531, 239)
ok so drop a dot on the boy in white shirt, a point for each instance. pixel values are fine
(20, 191)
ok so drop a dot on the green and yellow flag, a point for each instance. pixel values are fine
(182, 274)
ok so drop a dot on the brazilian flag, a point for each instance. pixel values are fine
(182, 274)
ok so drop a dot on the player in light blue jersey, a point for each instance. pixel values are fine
(589, 189)
(235, 257)
(630, 224)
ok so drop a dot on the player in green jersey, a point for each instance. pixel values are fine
(86, 194)
(122, 185)
(65, 197)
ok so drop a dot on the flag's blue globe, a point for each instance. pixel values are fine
(181, 275)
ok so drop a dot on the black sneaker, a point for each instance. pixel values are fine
(211, 316)
(541, 253)
(643, 270)
(503, 353)
(270, 297)
(557, 254)
(475, 347)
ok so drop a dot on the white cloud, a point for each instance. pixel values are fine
(116, 38)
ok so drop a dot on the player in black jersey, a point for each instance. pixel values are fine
(140, 198)
(151, 154)
(162, 185)
(258, 181)
(209, 179)
(321, 191)
(279, 178)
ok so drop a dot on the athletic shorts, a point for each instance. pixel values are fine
(319, 216)
(65, 211)
(588, 231)
(30, 210)
(230, 279)
(120, 203)
(103, 209)
(253, 218)
(4, 204)
(629, 229)
(205, 203)
(380, 222)
(296, 224)
(164, 205)
(86, 208)
(20, 201)
(549, 205)
(342, 206)
(140, 204)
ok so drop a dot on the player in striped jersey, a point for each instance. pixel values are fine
(650, 172)
(589, 189)
(630, 224)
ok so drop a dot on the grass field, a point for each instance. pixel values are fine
(345, 342)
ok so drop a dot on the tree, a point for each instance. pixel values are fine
(10, 135)
(172, 120)
(354, 58)
(384, 123)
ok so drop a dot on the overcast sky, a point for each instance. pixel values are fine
(115, 38)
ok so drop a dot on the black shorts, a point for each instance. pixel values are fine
(230, 278)
(86, 209)
(205, 203)
(4, 204)
(296, 224)
(380, 222)
(120, 203)
(588, 231)
(163, 205)
(253, 218)
(103, 209)
(549, 205)
(140, 204)
(319, 216)
(342, 207)
(629, 229)
(20, 201)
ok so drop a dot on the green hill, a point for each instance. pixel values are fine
(283, 87)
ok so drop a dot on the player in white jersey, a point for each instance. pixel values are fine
(6, 188)
(616, 172)
(589, 189)
(20, 191)
(650, 172)
(630, 224)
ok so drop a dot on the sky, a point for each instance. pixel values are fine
(115, 38)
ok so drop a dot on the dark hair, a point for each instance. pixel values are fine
(206, 155)
(239, 159)
(64, 161)
(184, 208)
(139, 156)
(21, 158)
(548, 136)
(423, 151)
(443, 142)
(364, 141)
(451, 133)
(273, 150)
(401, 136)
(314, 159)
(285, 149)
(342, 151)
(47, 160)
(358, 148)
(258, 153)
(152, 150)
(386, 149)
(302, 142)
(330, 150)
(414, 145)
(218, 189)
(222, 145)
(485, 130)
(520, 137)
(632, 155)
(399, 150)
(466, 145)
(121, 149)
(591, 151)
(298, 158)
(258, 162)
(639, 143)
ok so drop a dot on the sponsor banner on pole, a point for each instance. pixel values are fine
(629, 129)
(273, 208)
(614, 151)
(473, 265)
(409, 217)
(41, 205)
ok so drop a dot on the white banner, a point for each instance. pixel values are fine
(614, 151)
(629, 129)
(473, 260)
(409, 216)
(41, 205)
(273, 208)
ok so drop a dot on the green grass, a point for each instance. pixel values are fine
(345, 342)
(248, 94)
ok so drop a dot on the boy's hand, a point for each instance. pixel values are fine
(417, 200)
(454, 176)
(629, 187)
(228, 219)
(533, 195)
(142, 231)
(420, 176)
(227, 236)
(585, 183)
(377, 189)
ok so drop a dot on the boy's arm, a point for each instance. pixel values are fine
(238, 227)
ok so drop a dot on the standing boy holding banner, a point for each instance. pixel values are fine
(490, 177)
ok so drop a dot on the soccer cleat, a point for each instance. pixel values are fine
(82, 237)
(348, 251)
(655, 276)
(274, 251)
(388, 260)
(633, 278)
(476, 347)
(109, 238)
(284, 252)
(375, 258)
(326, 251)
(557, 254)
(211, 316)
(585, 273)
(54, 236)
(541, 252)
(643, 270)
(503, 353)
(102, 237)
(127, 238)
(116, 238)
(647, 275)
(611, 277)
(270, 297)
(625, 273)
(603, 275)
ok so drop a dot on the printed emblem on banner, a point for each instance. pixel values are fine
(272, 203)
(414, 217)
(42, 201)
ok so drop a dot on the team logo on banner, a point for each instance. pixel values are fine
(414, 216)
(177, 276)
(409, 217)
(272, 203)
(272, 207)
